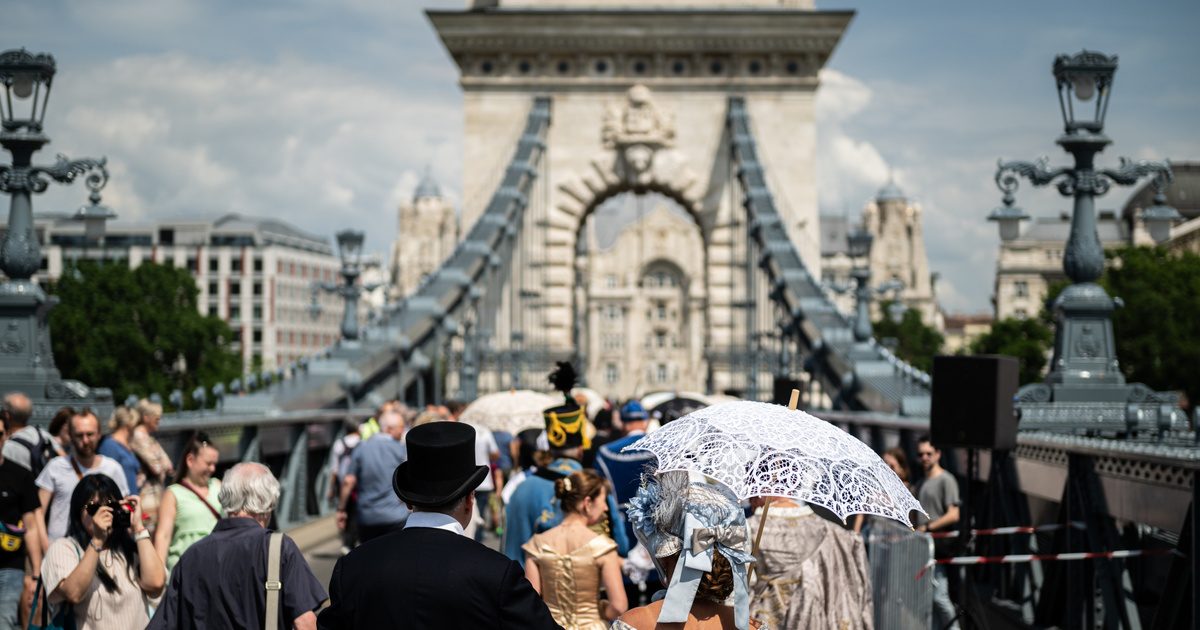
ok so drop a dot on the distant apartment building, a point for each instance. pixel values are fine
(255, 274)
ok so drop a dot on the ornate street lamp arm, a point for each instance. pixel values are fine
(1009, 174)
(1130, 172)
(63, 171)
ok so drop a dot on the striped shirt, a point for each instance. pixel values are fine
(100, 610)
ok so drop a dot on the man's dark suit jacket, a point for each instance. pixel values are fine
(431, 578)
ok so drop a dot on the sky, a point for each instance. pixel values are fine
(325, 114)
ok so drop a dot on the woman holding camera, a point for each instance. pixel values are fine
(105, 568)
(190, 509)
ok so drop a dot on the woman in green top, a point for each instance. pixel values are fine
(189, 508)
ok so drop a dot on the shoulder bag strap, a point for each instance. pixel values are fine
(215, 513)
(78, 472)
(273, 585)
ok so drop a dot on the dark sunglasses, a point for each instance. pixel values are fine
(95, 506)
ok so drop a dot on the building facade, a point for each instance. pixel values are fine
(897, 253)
(255, 274)
(427, 232)
(639, 98)
(645, 304)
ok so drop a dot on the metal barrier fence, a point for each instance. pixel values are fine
(897, 555)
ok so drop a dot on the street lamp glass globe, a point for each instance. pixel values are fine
(22, 86)
(1085, 87)
(1159, 230)
(1009, 229)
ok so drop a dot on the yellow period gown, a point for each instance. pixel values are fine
(571, 582)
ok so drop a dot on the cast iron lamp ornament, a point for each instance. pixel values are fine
(350, 244)
(1085, 365)
(26, 358)
(858, 246)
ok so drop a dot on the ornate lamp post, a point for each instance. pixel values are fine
(350, 244)
(859, 248)
(26, 359)
(1084, 367)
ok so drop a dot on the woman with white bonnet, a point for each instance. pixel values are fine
(696, 532)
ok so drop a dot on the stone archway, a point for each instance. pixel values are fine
(639, 104)
(638, 155)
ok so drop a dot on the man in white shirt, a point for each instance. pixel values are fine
(487, 453)
(60, 476)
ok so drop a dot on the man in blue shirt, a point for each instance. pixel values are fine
(624, 470)
(371, 468)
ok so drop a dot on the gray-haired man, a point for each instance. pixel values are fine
(219, 581)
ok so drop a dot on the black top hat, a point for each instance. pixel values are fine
(440, 466)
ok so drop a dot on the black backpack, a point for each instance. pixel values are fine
(40, 452)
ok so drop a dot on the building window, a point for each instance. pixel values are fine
(660, 340)
(192, 265)
(610, 281)
(612, 312)
(257, 288)
(235, 266)
(610, 373)
(1020, 313)
(661, 310)
(661, 372)
(258, 265)
(257, 336)
(212, 288)
(1021, 288)
(235, 288)
(212, 310)
(258, 313)
(212, 265)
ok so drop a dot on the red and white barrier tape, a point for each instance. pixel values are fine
(1000, 531)
(1047, 557)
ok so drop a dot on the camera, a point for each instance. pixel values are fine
(122, 519)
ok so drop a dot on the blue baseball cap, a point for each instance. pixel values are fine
(633, 410)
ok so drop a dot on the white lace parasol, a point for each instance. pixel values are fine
(758, 450)
(510, 411)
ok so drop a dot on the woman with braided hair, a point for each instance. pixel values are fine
(697, 535)
(568, 563)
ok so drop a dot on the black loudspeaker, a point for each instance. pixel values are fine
(972, 402)
(781, 393)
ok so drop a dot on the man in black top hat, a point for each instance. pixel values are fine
(430, 575)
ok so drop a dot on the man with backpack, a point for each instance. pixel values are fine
(28, 447)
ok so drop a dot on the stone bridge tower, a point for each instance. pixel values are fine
(639, 105)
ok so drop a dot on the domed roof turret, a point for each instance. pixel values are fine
(890, 192)
(427, 188)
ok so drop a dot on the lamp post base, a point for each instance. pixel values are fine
(26, 361)
(1085, 352)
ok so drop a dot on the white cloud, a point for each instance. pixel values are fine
(849, 169)
(313, 145)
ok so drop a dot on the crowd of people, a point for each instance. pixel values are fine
(107, 530)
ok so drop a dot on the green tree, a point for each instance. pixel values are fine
(915, 342)
(1157, 330)
(1026, 339)
(137, 331)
